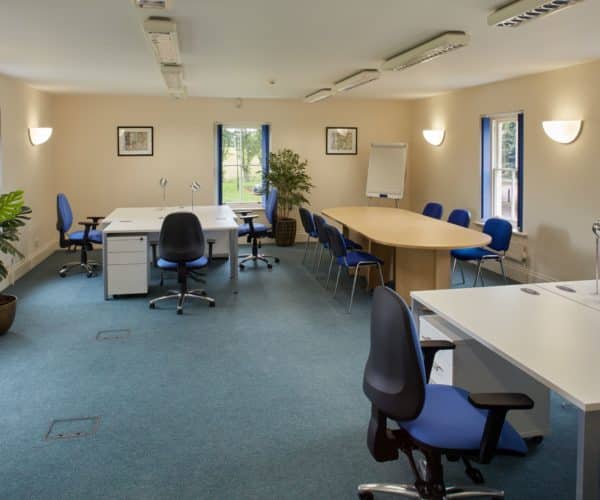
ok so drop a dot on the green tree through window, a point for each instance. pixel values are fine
(242, 176)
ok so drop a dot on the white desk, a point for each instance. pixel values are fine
(127, 233)
(552, 338)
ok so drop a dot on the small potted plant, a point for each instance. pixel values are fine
(288, 174)
(13, 216)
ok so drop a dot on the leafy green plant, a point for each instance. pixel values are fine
(288, 174)
(13, 216)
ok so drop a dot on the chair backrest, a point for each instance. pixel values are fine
(460, 217)
(501, 232)
(394, 378)
(271, 208)
(181, 238)
(320, 226)
(308, 222)
(64, 214)
(433, 209)
(337, 245)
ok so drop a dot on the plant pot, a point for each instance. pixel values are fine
(8, 309)
(285, 232)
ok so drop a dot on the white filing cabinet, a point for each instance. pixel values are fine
(477, 369)
(127, 264)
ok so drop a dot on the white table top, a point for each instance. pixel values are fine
(553, 339)
(149, 219)
(583, 292)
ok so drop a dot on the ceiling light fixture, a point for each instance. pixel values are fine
(173, 76)
(39, 135)
(162, 33)
(516, 13)
(357, 79)
(319, 95)
(435, 137)
(562, 131)
(438, 46)
(153, 4)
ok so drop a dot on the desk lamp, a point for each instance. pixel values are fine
(163, 184)
(194, 186)
(596, 231)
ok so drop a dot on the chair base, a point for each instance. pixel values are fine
(366, 491)
(257, 258)
(90, 268)
(181, 297)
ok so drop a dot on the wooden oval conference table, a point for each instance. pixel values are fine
(414, 248)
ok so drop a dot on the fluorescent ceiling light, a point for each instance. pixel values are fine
(319, 95)
(563, 131)
(516, 13)
(435, 137)
(427, 51)
(153, 4)
(357, 79)
(39, 135)
(173, 76)
(162, 33)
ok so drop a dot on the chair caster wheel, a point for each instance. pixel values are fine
(62, 274)
(152, 306)
(90, 274)
(179, 311)
(203, 293)
(269, 266)
(367, 495)
(276, 260)
(535, 440)
(211, 304)
(242, 267)
(475, 475)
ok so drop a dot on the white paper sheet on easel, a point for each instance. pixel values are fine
(387, 171)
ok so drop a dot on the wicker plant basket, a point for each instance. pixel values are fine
(285, 232)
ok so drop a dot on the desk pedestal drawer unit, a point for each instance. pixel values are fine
(127, 264)
(477, 369)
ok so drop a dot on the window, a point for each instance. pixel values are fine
(502, 168)
(243, 154)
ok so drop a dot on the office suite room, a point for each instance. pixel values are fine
(205, 411)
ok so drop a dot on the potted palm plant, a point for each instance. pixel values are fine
(288, 174)
(13, 216)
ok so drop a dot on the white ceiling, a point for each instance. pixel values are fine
(232, 48)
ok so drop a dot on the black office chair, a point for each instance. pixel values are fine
(254, 231)
(181, 249)
(435, 420)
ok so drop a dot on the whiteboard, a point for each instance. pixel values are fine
(387, 171)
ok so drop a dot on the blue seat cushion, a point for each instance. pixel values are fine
(95, 236)
(193, 264)
(353, 258)
(244, 229)
(448, 421)
(472, 253)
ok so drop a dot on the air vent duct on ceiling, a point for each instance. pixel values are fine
(438, 46)
(516, 13)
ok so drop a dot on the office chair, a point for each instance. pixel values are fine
(181, 249)
(460, 217)
(353, 259)
(320, 225)
(433, 210)
(501, 232)
(435, 420)
(310, 229)
(254, 232)
(82, 239)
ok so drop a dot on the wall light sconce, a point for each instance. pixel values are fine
(434, 136)
(39, 135)
(563, 131)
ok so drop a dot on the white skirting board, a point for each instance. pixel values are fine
(22, 267)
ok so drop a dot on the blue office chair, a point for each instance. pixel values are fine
(460, 217)
(181, 249)
(320, 225)
(352, 259)
(310, 229)
(435, 420)
(82, 239)
(433, 210)
(254, 232)
(501, 232)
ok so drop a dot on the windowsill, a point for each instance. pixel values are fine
(516, 232)
(239, 207)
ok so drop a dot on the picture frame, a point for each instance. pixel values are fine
(135, 140)
(341, 140)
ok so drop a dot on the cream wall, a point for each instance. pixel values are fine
(97, 180)
(562, 182)
(23, 166)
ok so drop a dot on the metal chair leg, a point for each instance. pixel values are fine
(315, 253)
(503, 273)
(337, 281)
(409, 491)
(381, 274)
(305, 249)
(356, 269)
(479, 273)
(329, 271)
(462, 273)
(319, 262)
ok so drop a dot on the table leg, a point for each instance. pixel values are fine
(233, 258)
(419, 269)
(588, 455)
(105, 265)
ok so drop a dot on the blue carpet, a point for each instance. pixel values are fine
(259, 397)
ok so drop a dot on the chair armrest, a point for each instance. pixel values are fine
(88, 226)
(430, 349)
(498, 405)
(247, 217)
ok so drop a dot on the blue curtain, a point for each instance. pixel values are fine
(265, 140)
(220, 163)
(520, 134)
(486, 167)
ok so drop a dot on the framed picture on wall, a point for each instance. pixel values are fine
(135, 141)
(341, 140)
